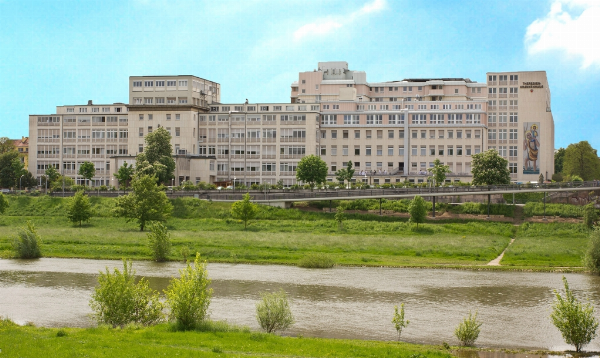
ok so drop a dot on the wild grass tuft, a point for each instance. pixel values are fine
(317, 260)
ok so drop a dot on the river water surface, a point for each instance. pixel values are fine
(336, 303)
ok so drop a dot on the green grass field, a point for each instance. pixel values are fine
(285, 236)
(160, 341)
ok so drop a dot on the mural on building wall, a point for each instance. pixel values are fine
(531, 148)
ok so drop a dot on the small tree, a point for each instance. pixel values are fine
(79, 208)
(87, 170)
(147, 202)
(3, 203)
(398, 321)
(52, 174)
(489, 168)
(189, 296)
(125, 174)
(27, 243)
(340, 216)
(273, 311)
(590, 216)
(349, 172)
(575, 321)
(439, 171)
(340, 176)
(591, 258)
(312, 170)
(157, 158)
(159, 241)
(244, 210)
(417, 210)
(468, 330)
(118, 300)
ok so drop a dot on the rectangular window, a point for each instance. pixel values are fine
(177, 131)
(333, 134)
(345, 150)
(401, 150)
(177, 117)
(356, 150)
(368, 150)
(345, 134)
(356, 134)
(390, 150)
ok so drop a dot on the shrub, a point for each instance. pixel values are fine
(27, 243)
(468, 330)
(273, 311)
(575, 321)
(79, 208)
(189, 296)
(562, 210)
(417, 210)
(591, 258)
(118, 300)
(589, 215)
(159, 241)
(3, 203)
(398, 321)
(244, 210)
(340, 216)
(316, 260)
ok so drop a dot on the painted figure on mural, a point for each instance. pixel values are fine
(531, 147)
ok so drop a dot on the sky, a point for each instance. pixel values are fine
(60, 52)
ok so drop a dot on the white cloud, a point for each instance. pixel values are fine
(572, 27)
(330, 24)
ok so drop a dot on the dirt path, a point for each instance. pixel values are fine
(496, 261)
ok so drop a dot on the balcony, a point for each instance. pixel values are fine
(292, 139)
(503, 83)
(269, 156)
(491, 95)
(269, 140)
(292, 156)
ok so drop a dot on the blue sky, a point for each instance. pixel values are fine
(65, 52)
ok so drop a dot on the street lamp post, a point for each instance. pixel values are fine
(234, 184)
(20, 182)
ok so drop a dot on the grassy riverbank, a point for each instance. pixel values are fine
(160, 341)
(283, 236)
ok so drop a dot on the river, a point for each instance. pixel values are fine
(343, 302)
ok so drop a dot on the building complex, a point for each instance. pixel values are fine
(391, 131)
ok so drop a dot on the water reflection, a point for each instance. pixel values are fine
(337, 303)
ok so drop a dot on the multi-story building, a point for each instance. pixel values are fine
(22, 146)
(391, 131)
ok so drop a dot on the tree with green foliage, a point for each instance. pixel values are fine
(345, 174)
(439, 172)
(87, 170)
(147, 202)
(118, 300)
(468, 330)
(79, 208)
(3, 204)
(159, 242)
(312, 170)
(6, 145)
(28, 181)
(125, 174)
(582, 160)
(398, 321)
(52, 174)
(590, 215)
(591, 258)
(244, 210)
(489, 168)
(11, 169)
(574, 320)
(559, 159)
(273, 311)
(61, 181)
(157, 158)
(27, 243)
(417, 210)
(189, 296)
(340, 216)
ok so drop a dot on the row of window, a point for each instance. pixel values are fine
(492, 78)
(161, 83)
(151, 117)
(391, 150)
(502, 134)
(160, 100)
(441, 133)
(397, 107)
(503, 90)
(434, 118)
(95, 109)
(263, 108)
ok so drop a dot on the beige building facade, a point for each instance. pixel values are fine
(391, 131)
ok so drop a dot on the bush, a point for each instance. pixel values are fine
(398, 321)
(273, 311)
(79, 208)
(590, 216)
(3, 203)
(561, 210)
(316, 260)
(189, 296)
(27, 243)
(576, 322)
(468, 330)
(591, 258)
(340, 216)
(118, 300)
(159, 241)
